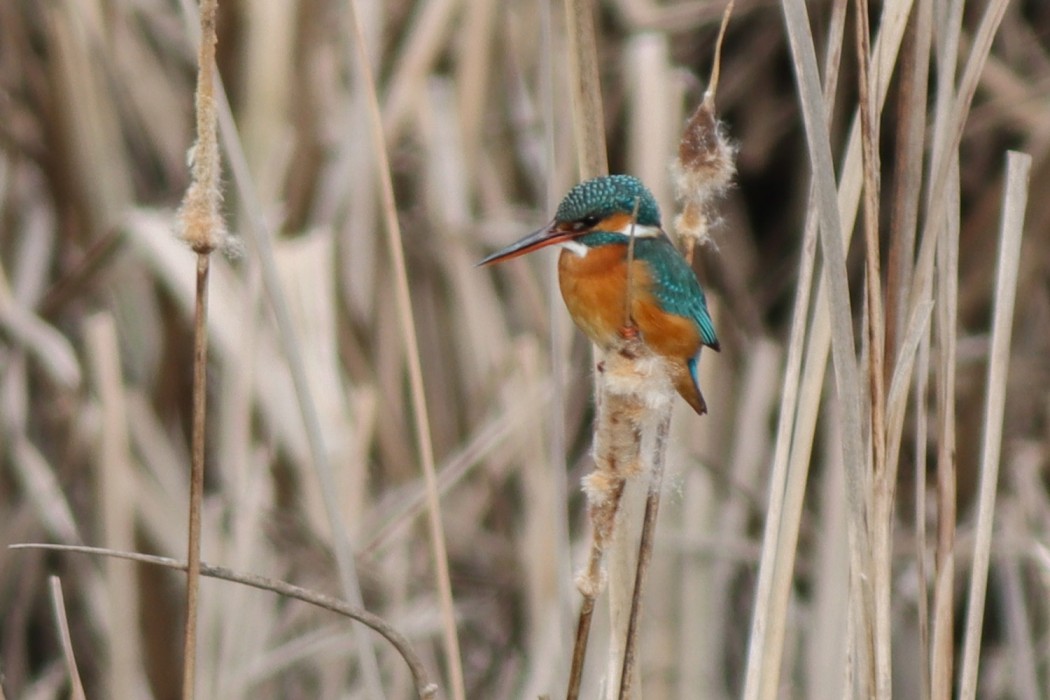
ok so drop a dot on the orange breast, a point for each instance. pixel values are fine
(593, 287)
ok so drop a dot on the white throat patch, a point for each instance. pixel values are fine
(640, 231)
(578, 248)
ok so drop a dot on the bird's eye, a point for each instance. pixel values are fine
(589, 221)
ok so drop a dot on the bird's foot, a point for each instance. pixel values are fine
(631, 341)
(629, 332)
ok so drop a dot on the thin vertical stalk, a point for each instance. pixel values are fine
(76, 691)
(193, 558)
(579, 647)
(942, 650)
(1018, 169)
(203, 230)
(952, 109)
(945, 363)
(645, 552)
(589, 582)
(907, 175)
(880, 525)
(919, 494)
(424, 445)
(907, 186)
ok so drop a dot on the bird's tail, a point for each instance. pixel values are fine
(687, 383)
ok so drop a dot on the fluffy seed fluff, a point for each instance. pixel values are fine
(704, 169)
(199, 219)
(644, 376)
(200, 223)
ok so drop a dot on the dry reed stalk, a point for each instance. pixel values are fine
(634, 399)
(891, 27)
(424, 687)
(919, 405)
(269, 89)
(946, 299)
(786, 501)
(424, 446)
(904, 215)
(943, 637)
(907, 175)
(759, 639)
(897, 396)
(203, 229)
(649, 428)
(845, 363)
(588, 117)
(767, 619)
(1015, 199)
(96, 154)
(951, 110)
(62, 622)
(882, 504)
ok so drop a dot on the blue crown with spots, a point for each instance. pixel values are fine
(608, 195)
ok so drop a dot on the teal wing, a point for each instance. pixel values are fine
(676, 287)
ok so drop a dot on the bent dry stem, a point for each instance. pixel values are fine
(425, 688)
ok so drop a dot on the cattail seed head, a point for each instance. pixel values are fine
(705, 164)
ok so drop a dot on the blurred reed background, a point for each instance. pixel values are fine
(95, 345)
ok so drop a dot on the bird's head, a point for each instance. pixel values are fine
(611, 204)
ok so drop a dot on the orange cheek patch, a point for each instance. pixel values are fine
(615, 222)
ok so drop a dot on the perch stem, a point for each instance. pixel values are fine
(645, 550)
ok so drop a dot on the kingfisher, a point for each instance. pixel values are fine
(594, 225)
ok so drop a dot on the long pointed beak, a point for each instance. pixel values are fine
(548, 235)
